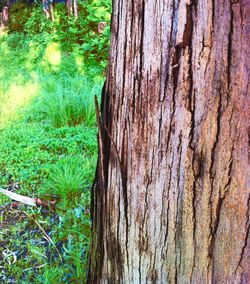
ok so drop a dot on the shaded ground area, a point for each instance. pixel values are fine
(33, 249)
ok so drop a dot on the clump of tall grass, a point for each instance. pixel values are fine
(69, 177)
(70, 101)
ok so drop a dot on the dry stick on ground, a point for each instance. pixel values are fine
(46, 235)
(20, 198)
(36, 267)
(27, 200)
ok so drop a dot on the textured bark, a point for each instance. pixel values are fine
(171, 202)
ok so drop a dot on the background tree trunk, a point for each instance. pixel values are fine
(171, 203)
(69, 5)
(51, 10)
(46, 8)
(6, 14)
(75, 9)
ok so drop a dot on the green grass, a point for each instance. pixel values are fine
(70, 102)
(69, 177)
(48, 149)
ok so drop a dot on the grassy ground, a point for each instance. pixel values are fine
(47, 150)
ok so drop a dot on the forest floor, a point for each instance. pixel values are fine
(47, 150)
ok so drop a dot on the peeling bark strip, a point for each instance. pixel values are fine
(174, 206)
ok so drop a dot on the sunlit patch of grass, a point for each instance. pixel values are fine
(5, 50)
(3, 31)
(17, 97)
(52, 56)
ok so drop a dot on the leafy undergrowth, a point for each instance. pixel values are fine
(47, 150)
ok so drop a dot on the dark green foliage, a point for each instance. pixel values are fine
(20, 13)
(2, 4)
(69, 31)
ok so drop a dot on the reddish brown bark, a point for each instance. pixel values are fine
(171, 203)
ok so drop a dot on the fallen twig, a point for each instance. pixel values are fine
(46, 235)
(20, 198)
(27, 200)
(36, 267)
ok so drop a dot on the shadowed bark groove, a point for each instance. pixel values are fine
(171, 200)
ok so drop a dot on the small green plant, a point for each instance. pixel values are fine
(53, 274)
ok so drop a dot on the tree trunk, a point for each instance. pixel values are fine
(171, 202)
(69, 5)
(6, 15)
(75, 9)
(51, 10)
(46, 8)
